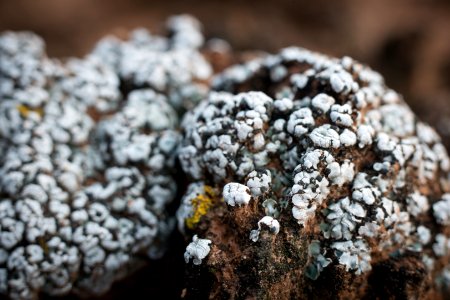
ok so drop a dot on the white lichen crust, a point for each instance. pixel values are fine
(170, 65)
(87, 172)
(236, 194)
(270, 222)
(197, 250)
(363, 175)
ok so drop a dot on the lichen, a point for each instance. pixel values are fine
(349, 163)
(200, 204)
(198, 249)
(87, 157)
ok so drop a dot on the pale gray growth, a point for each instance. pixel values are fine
(91, 83)
(236, 194)
(417, 204)
(424, 234)
(354, 255)
(300, 122)
(365, 135)
(443, 280)
(186, 31)
(271, 207)
(259, 182)
(397, 119)
(171, 65)
(197, 250)
(25, 71)
(349, 153)
(341, 115)
(341, 174)
(135, 151)
(300, 81)
(369, 229)
(342, 219)
(216, 137)
(123, 138)
(317, 259)
(310, 187)
(85, 174)
(441, 246)
(364, 191)
(441, 210)
(325, 136)
(428, 261)
(322, 102)
(347, 138)
(270, 222)
(341, 81)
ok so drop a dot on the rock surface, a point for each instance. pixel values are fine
(340, 187)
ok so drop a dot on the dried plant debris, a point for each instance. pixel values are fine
(332, 162)
(87, 167)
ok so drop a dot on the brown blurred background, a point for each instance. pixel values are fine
(407, 41)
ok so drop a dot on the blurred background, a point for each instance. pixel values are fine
(407, 41)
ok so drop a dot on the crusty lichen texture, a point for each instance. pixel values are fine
(169, 65)
(87, 156)
(324, 176)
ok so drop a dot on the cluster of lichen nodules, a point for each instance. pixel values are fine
(363, 176)
(88, 151)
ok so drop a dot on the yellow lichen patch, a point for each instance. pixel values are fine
(25, 110)
(200, 206)
(43, 245)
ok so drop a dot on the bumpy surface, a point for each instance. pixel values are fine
(87, 155)
(330, 184)
(172, 66)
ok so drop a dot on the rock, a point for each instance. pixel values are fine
(355, 177)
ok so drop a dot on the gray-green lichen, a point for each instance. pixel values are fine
(87, 166)
(364, 177)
